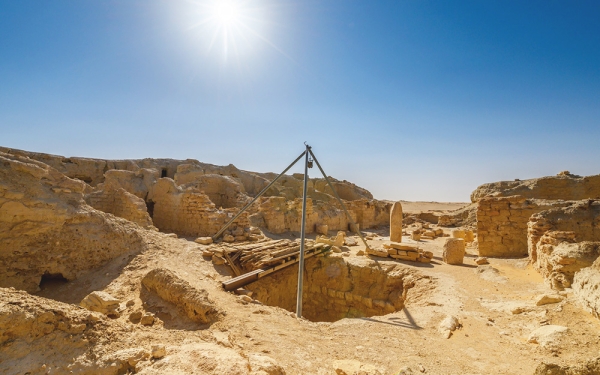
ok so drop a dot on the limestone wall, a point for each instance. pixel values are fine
(502, 224)
(279, 215)
(336, 289)
(189, 212)
(47, 228)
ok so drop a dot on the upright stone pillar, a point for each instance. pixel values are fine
(396, 223)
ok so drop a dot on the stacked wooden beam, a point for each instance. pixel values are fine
(260, 255)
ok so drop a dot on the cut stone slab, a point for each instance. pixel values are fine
(399, 246)
(377, 252)
(481, 261)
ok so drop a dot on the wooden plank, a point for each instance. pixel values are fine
(240, 281)
(231, 264)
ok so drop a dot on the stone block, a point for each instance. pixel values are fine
(454, 251)
(322, 229)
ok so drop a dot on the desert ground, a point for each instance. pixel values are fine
(169, 312)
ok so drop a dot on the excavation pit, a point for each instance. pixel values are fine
(337, 288)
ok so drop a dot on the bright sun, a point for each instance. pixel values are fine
(226, 12)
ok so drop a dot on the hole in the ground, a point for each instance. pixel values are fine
(337, 288)
(52, 280)
(163, 173)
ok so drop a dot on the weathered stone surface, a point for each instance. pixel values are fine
(119, 202)
(547, 336)
(101, 302)
(194, 302)
(481, 260)
(322, 229)
(558, 260)
(396, 222)
(263, 365)
(158, 351)
(586, 288)
(454, 251)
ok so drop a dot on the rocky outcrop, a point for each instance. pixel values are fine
(194, 302)
(39, 336)
(585, 286)
(46, 228)
(561, 241)
(121, 203)
(202, 197)
(564, 186)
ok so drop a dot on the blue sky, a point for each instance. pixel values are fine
(415, 100)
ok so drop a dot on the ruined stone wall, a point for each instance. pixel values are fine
(279, 215)
(370, 213)
(46, 227)
(122, 204)
(189, 212)
(561, 240)
(502, 224)
(336, 289)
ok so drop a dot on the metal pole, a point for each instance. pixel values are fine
(302, 232)
(220, 232)
(339, 200)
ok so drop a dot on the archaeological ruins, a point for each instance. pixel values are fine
(114, 267)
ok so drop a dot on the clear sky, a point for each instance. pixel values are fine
(415, 100)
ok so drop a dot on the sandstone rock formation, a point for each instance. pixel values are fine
(563, 186)
(48, 229)
(194, 302)
(191, 198)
